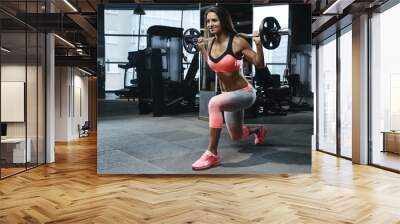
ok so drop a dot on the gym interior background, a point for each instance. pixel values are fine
(148, 127)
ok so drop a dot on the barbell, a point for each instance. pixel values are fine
(270, 33)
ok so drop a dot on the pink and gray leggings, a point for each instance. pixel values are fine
(233, 105)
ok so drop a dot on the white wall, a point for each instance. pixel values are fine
(61, 103)
(71, 102)
(360, 90)
(80, 105)
(82, 82)
(13, 101)
(50, 94)
(13, 73)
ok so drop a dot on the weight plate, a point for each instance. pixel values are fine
(190, 37)
(270, 38)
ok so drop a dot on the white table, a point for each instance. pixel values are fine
(18, 151)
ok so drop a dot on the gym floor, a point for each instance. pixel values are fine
(129, 143)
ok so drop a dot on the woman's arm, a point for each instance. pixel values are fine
(202, 45)
(256, 58)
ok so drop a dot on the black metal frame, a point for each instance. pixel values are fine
(337, 35)
(289, 40)
(338, 98)
(369, 126)
(332, 37)
(44, 57)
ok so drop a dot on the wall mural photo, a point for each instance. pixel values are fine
(204, 89)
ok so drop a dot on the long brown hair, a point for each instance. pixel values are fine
(224, 18)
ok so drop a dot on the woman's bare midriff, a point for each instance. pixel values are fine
(232, 81)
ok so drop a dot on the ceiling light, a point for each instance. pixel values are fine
(139, 10)
(70, 5)
(84, 71)
(337, 7)
(5, 50)
(65, 41)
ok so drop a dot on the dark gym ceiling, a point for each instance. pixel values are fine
(77, 23)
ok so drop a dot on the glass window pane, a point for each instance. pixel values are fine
(278, 55)
(385, 85)
(160, 17)
(13, 82)
(22, 63)
(143, 43)
(281, 13)
(327, 97)
(190, 19)
(120, 22)
(117, 47)
(276, 69)
(346, 94)
(114, 77)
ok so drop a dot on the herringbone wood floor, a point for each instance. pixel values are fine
(70, 191)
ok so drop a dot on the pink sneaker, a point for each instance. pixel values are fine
(260, 137)
(207, 160)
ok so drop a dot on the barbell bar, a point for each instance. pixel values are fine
(270, 33)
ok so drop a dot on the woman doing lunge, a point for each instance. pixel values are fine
(223, 54)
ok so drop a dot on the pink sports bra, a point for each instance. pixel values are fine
(227, 62)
